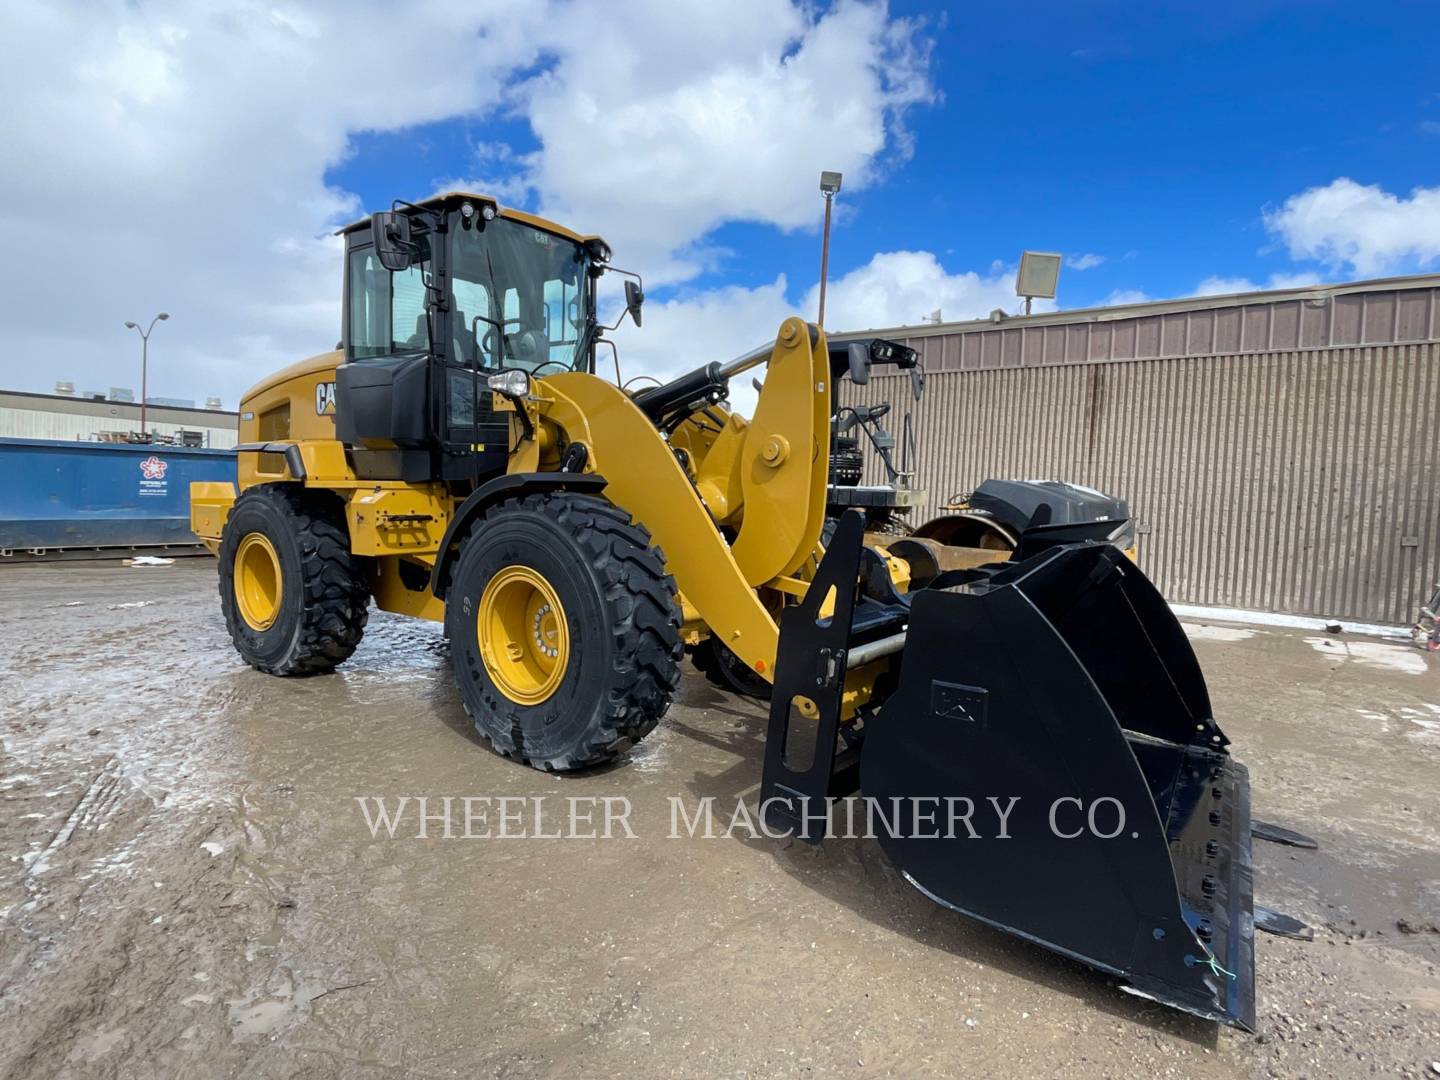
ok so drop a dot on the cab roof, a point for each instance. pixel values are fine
(445, 197)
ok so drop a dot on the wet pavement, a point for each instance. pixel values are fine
(190, 888)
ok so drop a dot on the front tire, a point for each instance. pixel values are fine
(564, 630)
(295, 599)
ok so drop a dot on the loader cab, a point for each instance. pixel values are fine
(438, 296)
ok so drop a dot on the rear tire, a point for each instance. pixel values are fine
(721, 667)
(588, 663)
(303, 599)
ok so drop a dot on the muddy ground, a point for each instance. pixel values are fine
(189, 887)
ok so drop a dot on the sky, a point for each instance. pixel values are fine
(195, 158)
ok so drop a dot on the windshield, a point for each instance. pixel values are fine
(533, 283)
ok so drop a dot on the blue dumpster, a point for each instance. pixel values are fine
(69, 498)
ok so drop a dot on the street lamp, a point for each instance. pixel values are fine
(145, 358)
(829, 185)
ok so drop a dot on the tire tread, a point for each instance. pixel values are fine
(646, 630)
(337, 596)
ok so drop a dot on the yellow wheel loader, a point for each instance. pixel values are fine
(460, 458)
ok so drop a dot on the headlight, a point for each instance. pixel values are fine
(513, 384)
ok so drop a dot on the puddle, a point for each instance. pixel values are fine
(269, 1014)
(281, 929)
(88, 1049)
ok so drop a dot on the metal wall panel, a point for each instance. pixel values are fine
(48, 416)
(1301, 481)
(1367, 313)
(35, 424)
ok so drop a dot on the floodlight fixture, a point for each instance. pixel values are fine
(1038, 276)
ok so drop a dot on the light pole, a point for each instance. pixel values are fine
(145, 358)
(829, 185)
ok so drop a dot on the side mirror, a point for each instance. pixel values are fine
(858, 353)
(391, 234)
(917, 381)
(634, 297)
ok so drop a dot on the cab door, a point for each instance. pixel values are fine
(474, 437)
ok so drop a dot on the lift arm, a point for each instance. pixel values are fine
(781, 472)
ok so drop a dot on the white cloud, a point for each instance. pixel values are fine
(1222, 286)
(1301, 279)
(715, 113)
(1087, 261)
(902, 288)
(894, 288)
(172, 156)
(1360, 227)
(1125, 296)
(716, 324)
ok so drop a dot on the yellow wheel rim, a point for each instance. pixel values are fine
(257, 581)
(524, 640)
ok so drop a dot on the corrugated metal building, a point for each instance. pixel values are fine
(59, 416)
(1280, 450)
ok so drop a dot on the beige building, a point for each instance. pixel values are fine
(68, 417)
(1280, 450)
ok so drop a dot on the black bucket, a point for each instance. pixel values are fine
(1065, 683)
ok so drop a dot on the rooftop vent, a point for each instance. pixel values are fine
(65, 389)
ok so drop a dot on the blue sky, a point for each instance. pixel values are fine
(1147, 134)
(1167, 149)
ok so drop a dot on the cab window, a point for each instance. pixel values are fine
(387, 311)
(469, 299)
(533, 289)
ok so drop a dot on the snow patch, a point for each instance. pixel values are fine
(1378, 718)
(1375, 653)
(1206, 632)
(1424, 720)
(1296, 622)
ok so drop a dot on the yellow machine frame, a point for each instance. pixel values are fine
(749, 476)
